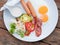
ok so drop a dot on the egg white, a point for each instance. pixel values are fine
(37, 4)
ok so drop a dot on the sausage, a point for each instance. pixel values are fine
(31, 9)
(25, 7)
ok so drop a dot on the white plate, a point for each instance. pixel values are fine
(47, 27)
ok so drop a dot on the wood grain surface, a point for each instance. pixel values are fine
(7, 39)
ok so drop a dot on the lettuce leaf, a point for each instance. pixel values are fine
(21, 33)
(12, 28)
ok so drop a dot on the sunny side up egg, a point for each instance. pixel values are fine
(41, 9)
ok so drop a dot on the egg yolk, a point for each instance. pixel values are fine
(43, 10)
(44, 18)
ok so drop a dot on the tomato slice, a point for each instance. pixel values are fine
(29, 26)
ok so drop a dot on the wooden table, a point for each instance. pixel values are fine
(7, 39)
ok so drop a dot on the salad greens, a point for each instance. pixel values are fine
(21, 33)
(25, 18)
(13, 25)
(12, 28)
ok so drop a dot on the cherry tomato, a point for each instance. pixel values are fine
(29, 26)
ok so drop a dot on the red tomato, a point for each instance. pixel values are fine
(29, 26)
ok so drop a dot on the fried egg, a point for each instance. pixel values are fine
(41, 9)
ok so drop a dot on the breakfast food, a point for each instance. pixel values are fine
(29, 28)
(44, 18)
(25, 18)
(31, 9)
(43, 10)
(25, 7)
(37, 22)
(12, 28)
(29, 22)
